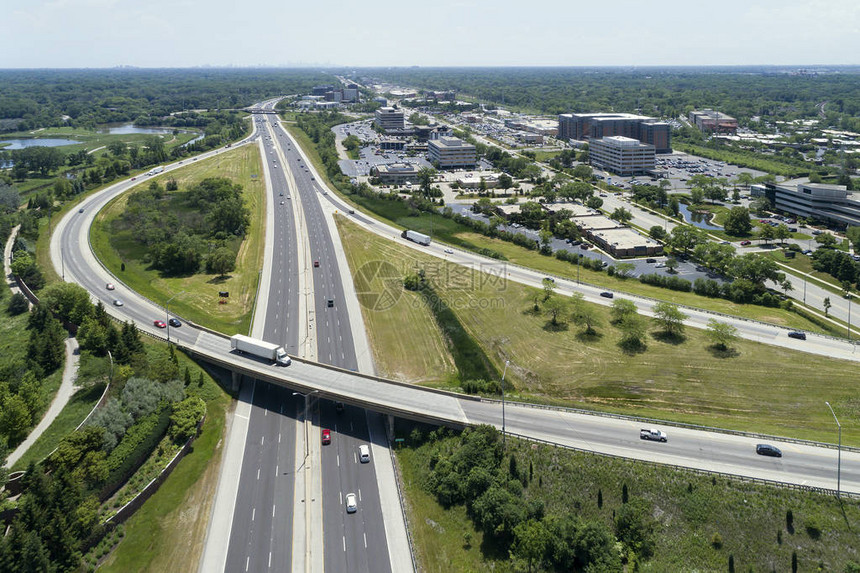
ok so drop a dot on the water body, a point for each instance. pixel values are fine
(129, 128)
(7, 144)
(697, 219)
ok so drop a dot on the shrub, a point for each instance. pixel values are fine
(18, 304)
(717, 541)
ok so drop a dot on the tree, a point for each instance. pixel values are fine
(697, 195)
(621, 215)
(183, 421)
(15, 418)
(633, 328)
(826, 240)
(67, 301)
(781, 233)
(827, 305)
(554, 308)
(221, 262)
(584, 314)
(657, 232)
(744, 179)
(9, 198)
(670, 317)
(18, 304)
(583, 172)
(721, 334)
(530, 542)
(635, 527)
(738, 222)
(685, 238)
(426, 176)
(505, 182)
(594, 203)
(548, 287)
(672, 264)
(621, 309)
(766, 233)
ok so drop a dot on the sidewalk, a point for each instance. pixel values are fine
(7, 261)
(67, 388)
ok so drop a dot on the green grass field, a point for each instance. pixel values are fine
(754, 389)
(200, 301)
(689, 508)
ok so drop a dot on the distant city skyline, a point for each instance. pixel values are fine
(189, 33)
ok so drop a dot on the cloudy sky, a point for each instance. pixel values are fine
(183, 33)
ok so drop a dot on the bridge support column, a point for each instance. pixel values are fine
(389, 427)
(237, 379)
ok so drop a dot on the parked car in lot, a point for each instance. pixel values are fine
(650, 260)
(768, 450)
(797, 334)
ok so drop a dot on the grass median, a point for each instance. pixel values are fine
(757, 387)
(200, 300)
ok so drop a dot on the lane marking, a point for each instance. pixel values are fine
(258, 473)
(253, 513)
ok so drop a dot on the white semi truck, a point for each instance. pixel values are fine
(156, 170)
(416, 237)
(260, 349)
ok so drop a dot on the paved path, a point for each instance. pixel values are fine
(7, 261)
(67, 388)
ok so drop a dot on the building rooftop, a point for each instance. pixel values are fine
(594, 222)
(403, 168)
(621, 141)
(625, 238)
(447, 141)
(575, 208)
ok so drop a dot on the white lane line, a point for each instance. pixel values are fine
(365, 540)
(247, 560)
(270, 553)
(258, 473)
(279, 438)
(253, 513)
(276, 470)
(262, 439)
(338, 460)
(354, 458)
(273, 510)
(359, 494)
(340, 494)
(344, 546)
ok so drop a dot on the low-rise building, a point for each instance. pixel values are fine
(622, 155)
(625, 242)
(396, 173)
(451, 152)
(389, 119)
(712, 121)
(473, 181)
(391, 144)
(832, 204)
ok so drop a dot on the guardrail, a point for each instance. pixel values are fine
(402, 497)
(685, 425)
(750, 479)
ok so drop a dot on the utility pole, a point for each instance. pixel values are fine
(505, 371)
(167, 313)
(839, 458)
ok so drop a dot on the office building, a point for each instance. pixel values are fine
(390, 119)
(321, 90)
(831, 204)
(590, 126)
(622, 155)
(451, 152)
(396, 173)
(712, 121)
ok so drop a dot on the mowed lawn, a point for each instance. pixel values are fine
(200, 301)
(758, 388)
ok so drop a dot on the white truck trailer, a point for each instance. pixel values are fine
(260, 349)
(416, 237)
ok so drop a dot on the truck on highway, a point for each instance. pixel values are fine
(260, 349)
(416, 237)
(156, 170)
(652, 434)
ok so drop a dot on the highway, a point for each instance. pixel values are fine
(804, 465)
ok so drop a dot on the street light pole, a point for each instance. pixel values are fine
(167, 313)
(306, 396)
(839, 458)
(849, 317)
(505, 371)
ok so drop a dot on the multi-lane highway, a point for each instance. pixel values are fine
(70, 251)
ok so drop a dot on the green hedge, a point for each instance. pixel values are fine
(138, 442)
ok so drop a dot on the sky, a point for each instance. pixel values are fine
(369, 33)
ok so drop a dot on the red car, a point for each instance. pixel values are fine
(745, 243)
(159, 323)
(316, 263)
(326, 437)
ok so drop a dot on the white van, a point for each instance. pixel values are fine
(364, 453)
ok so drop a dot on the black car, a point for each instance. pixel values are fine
(768, 450)
(798, 335)
(174, 322)
(607, 294)
(650, 260)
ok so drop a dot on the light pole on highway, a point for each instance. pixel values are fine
(167, 313)
(307, 399)
(839, 459)
(505, 371)
(579, 266)
(849, 316)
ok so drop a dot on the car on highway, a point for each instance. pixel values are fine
(351, 503)
(110, 286)
(117, 302)
(653, 434)
(449, 251)
(282, 203)
(607, 294)
(81, 210)
(330, 303)
(316, 264)
(174, 322)
(364, 453)
(797, 334)
(326, 437)
(159, 323)
(134, 178)
(745, 243)
(768, 450)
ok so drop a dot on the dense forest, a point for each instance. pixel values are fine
(662, 92)
(30, 99)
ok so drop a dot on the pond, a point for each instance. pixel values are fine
(7, 144)
(699, 220)
(129, 128)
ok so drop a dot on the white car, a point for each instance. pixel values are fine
(110, 286)
(449, 251)
(659, 265)
(351, 503)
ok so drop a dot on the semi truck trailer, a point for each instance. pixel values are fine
(416, 237)
(260, 349)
